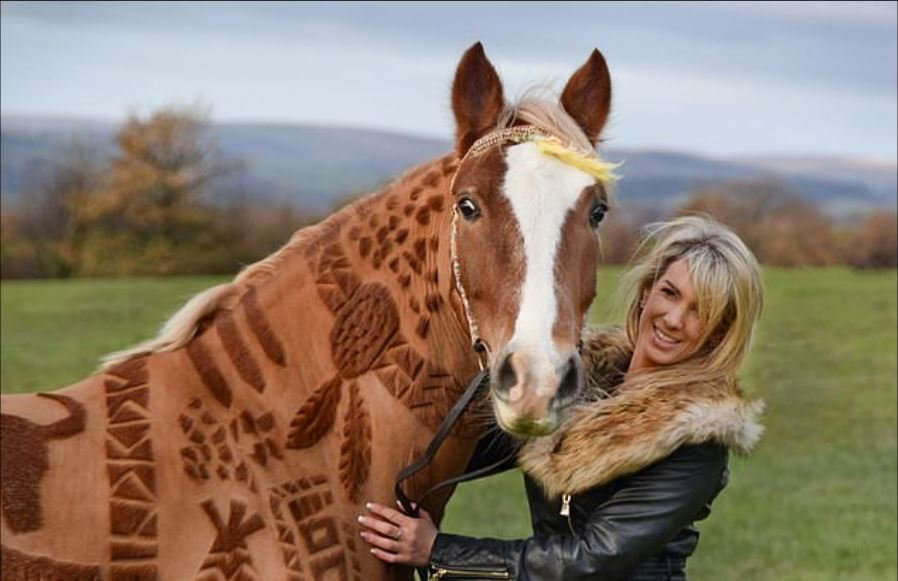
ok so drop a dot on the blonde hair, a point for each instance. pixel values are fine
(539, 106)
(727, 281)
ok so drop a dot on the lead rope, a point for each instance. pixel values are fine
(548, 145)
(481, 348)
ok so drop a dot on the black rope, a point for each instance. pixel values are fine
(413, 509)
(410, 508)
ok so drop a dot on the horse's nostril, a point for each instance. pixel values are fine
(508, 378)
(570, 382)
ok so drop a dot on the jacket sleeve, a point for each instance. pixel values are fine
(630, 526)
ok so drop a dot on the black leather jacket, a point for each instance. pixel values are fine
(638, 527)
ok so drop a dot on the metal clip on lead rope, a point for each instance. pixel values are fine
(483, 353)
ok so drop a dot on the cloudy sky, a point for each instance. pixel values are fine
(715, 78)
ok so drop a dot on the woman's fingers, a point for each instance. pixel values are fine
(397, 538)
(385, 528)
(381, 542)
(385, 556)
(394, 516)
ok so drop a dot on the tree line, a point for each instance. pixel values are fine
(168, 203)
(781, 228)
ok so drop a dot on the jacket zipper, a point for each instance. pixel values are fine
(565, 505)
(566, 511)
(446, 573)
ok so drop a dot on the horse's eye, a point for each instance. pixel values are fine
(597, 214)
(468, 208)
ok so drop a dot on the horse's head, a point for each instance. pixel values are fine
(525, 234)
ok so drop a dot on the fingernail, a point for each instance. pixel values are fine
(361, 518)
(368, 505)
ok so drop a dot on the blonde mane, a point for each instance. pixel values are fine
(181, 327)
(539, 106)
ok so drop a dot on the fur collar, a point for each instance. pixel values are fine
(621, 428)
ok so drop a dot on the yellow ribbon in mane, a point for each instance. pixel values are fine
(601, 170)
(549, 145)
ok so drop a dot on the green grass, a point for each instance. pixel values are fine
(817, 499)
(54, 332)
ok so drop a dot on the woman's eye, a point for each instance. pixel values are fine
(468, 208)
(596, 214)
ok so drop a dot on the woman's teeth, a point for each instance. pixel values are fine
(664, 337)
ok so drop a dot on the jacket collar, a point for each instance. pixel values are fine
(620, 428)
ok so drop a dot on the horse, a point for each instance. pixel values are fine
(240, 442)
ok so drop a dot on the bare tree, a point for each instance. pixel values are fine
(44, 230)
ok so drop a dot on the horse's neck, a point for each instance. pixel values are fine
(382, 263)
(365, 303)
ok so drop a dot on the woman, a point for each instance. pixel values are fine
(615, 491)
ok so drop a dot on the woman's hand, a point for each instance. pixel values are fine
(397, 538)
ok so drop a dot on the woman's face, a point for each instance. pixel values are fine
(670, 330)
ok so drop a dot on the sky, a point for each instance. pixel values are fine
(715, 78)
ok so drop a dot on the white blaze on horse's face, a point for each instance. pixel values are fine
(525, 245)
(528, 262)
(543, 192)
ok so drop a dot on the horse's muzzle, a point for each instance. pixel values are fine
(529, 394)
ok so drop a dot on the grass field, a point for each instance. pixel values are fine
(817, 500)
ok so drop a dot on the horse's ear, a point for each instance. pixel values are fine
(477, 98)
(587, 95)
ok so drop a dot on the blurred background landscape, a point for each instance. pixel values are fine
(172, 193)
(169, 138)
(151, 150)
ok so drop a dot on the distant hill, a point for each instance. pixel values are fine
(842, 180)
(315, 166)
(310, 166)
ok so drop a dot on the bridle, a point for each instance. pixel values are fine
(480, 347)
(518, 134)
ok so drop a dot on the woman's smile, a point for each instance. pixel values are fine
(670, 330)
(663, 339)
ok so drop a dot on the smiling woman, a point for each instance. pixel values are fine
(694, 299)
(614, 492)
(669, 328)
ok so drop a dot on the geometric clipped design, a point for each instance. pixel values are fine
(307, 526)
(131, 473)
(229, 558)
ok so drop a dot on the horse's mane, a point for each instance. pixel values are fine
(537, 106)
(178, 330)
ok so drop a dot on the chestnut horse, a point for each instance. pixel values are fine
(241, 441)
